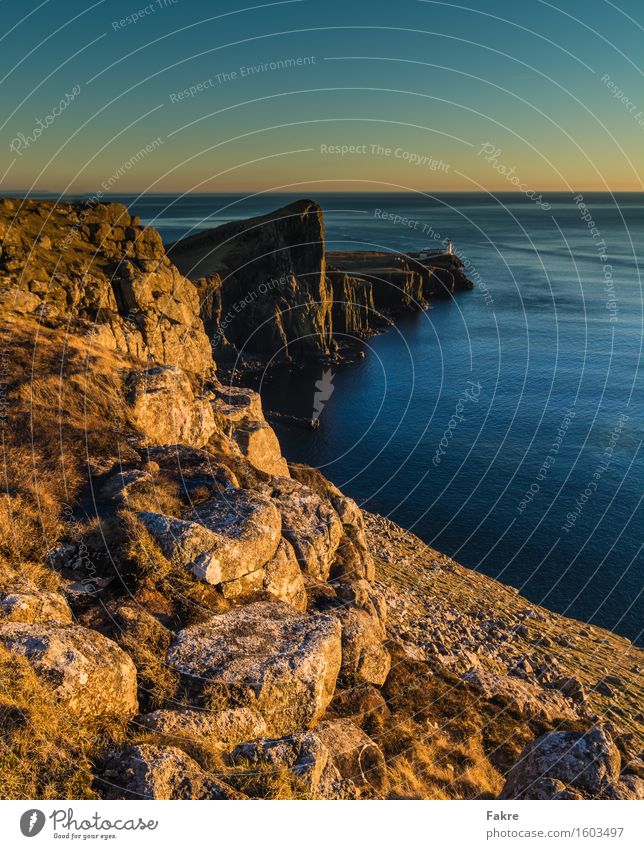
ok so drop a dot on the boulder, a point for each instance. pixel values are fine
(222, 540)
(365, 706)
(354, 754)
(90, 674)
(162, 405)
(584, 762)
(530, 700)
(310, 524)
(160, 772)
(260, 446)
(267, 656)
(34, 605)
(303, 755)
(220, 729)
(283, 577)
(364, 658)
(238, 414)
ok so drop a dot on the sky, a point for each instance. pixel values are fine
(305, 96)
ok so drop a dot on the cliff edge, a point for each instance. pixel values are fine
(184, 614)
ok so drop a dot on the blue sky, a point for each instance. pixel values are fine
(423, 82)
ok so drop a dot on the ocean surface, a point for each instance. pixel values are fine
(504, 426)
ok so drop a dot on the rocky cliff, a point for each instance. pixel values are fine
(183, 614)
(268, 288)
(263, 281)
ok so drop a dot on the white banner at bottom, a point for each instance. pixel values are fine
(319, 825)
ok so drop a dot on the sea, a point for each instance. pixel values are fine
(503, 426)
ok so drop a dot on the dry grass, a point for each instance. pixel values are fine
(45, 753)
(62, 412)
(192, 600)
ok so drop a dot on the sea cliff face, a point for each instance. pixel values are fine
(185, 614)
(268, 287)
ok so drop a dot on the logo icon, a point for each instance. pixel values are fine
(323, 391)
(32, 822)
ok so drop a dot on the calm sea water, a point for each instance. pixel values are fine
(530, 381)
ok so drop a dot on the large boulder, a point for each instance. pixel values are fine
(267, 656)
(90, 674)
(283, 577)
(162, 405)
(227, 539)
(301, 755)
(29, 604)
(530, 700)
(304, 757)
(238, 414)
(160, 772)
(354, 754)
(581, 764)
(220, 729)
(365, 660)
(310, 524)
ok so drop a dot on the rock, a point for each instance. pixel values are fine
(160, 772)
(364, 706)
(320, 596)
(586, 762)
(530, 700)
(95, 266)
(162, 405)
(365, 595)
(222, 540)
(267, 656)
(222, 729)
(194, 470)
(629, 787)
(352, 559)
(310, 524)
(261, 448)
(364, 658)
(572, 688)
(34, 605)
(303, 754)
(354, 755)
(283, 577)
(120, 486)
(275, 287)
(90, 674)
(238, 413)
(603, 688)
